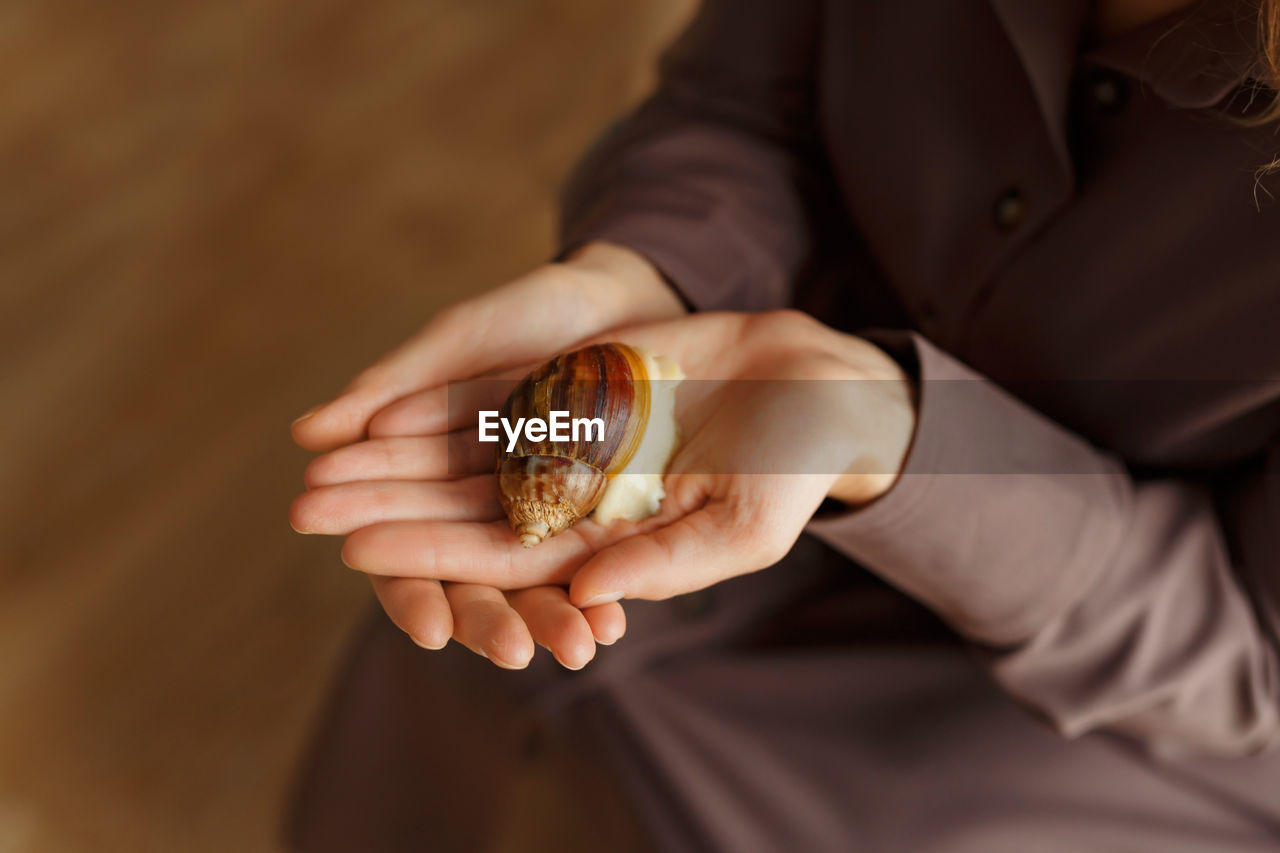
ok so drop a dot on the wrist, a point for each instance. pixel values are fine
(855, 490)
(882, 426)
(629, 287)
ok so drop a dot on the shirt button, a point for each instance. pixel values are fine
(1109, 92)
(1010, 210)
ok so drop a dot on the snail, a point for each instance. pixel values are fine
(545, 486)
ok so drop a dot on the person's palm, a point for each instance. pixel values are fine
(388, 456)
(763, 445)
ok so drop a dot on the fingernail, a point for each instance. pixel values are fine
(428, 647)
(601, 598)
(308, 413)
(565, 665)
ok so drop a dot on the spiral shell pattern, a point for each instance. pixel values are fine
(545, 486)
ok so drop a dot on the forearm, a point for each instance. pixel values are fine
(712, 178)
(1098, 600)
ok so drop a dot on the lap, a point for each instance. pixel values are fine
(802, 708)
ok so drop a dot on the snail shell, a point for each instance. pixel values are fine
(546, 486)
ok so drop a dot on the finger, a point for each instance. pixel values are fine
(698, 550)
(449, 407)
(418, 607)
(555, 624)
(608, 622)
(341, 509)
(466, 552)
(486, 624)
(434, 457)
(342, 421)
(522, 322)
(425, 360)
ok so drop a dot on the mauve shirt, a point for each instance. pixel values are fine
(1058, 630)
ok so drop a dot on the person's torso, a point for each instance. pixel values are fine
(1046, 215)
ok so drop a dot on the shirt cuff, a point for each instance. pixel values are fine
(1000, 518)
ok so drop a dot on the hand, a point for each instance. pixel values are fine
(527, 321)
(763, 446)
(399, 472)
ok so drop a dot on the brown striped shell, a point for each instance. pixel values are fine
(546, 486)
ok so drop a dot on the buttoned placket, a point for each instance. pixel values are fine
(1196, 67)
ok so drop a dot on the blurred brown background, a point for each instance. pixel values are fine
(212, 215)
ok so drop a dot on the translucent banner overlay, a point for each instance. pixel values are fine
(1039, 427)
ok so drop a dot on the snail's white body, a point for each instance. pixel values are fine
(636, 492)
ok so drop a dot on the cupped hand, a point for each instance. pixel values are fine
(526, 321)
(388, 456)
(764, 444)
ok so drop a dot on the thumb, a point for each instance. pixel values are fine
(424, 360)
(524, 321)
(710, 545)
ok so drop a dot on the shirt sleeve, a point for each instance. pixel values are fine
(1099, 600)
(711, 178)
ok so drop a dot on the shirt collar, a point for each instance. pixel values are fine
(1192, 59)
(1046, 35)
